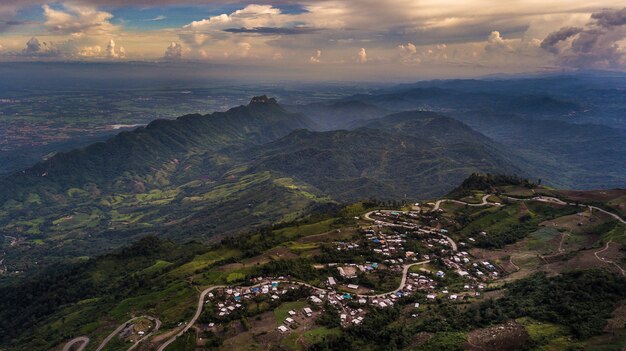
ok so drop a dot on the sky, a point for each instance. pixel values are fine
(324, 39)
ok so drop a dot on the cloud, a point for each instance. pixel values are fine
(112, 53)
(252, 16)
(157, 18)
(173, 52)
(408, 53)
(362, 56)
(596, 45)
(317, 57)
(412, 54)
(273, 30)
(35, 48)
(551, 42)
(252, 20)
(90, 51)
(496, 44)
(77, 20)
(408, 49)
(244, 49)
(610, 18)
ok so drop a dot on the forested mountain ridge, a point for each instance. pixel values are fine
(410, 154)
(146, 150)
(202, 176)
(567, 130)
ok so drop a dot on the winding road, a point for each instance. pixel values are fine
(405, 269)
(195, 316)
(85, 340)
(81, 339)
(558, 201)
(405, 272)
(602, 259)
(122, 326)
(367, 216)
(483, 202)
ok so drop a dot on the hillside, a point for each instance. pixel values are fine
(546, 273)
(566, 130)
(143, 158)
(412, 155)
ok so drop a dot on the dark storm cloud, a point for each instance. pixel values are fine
(36, 48)
(609, 18)
(550, 42)
(273, 30)
(594, 46)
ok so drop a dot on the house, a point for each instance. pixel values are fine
(289, 320)
(353, 286)
(282, 329)
(292, 313)
(315, 299)
(308, 312)
(331, 281)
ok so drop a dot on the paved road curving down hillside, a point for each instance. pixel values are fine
(81, 339)
(561, 202)
(483, 202)
(195, 316)
(157, 326)
(605, 260)
(103, 344)
(119, 329)
(405, 273)
(405, 270)
(366, 216)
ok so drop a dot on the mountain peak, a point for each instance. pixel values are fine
(263, 99)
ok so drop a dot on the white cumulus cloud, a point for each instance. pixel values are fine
(317, 57)
(362, 56)
(174, 51)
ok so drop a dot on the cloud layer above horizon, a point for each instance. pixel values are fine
(363, 39)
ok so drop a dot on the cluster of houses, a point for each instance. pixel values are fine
(463, 265)
(290, 322)
(387, 238)
(349, 315)
(228, 300)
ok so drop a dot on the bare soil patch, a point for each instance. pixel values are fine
(510, 336)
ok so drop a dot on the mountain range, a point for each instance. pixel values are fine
(207, 176)
(202, 176)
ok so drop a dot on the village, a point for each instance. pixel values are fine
(422, 255)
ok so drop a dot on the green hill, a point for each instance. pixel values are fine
(146, 155)
(412, 154)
